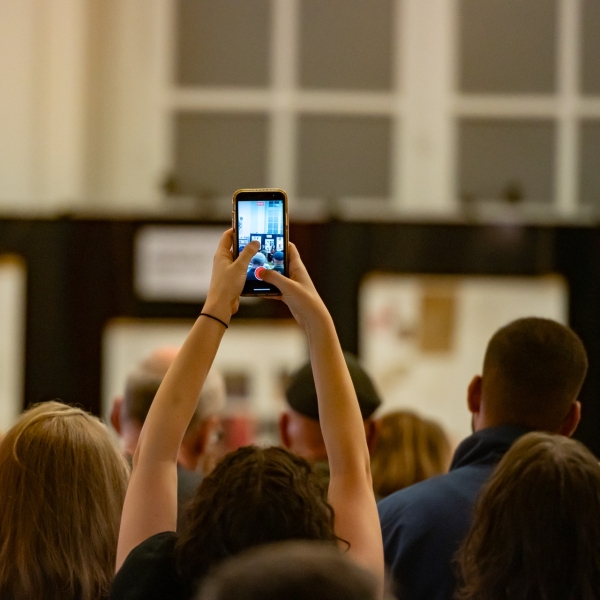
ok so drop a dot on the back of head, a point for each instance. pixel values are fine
(532, 373)
(290, 570)
(301, 392)
(537, 524)
(409, 449)
(63, 486)
(254, 496)
(258, 260)
(143, 383)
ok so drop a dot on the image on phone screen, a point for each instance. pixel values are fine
(262, 221)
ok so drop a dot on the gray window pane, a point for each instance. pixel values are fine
(346, 44)
(218, 153)
(344, 156)
(508, 46)
(223, 42)
(506, 159)
(589, 191)
(590, 52)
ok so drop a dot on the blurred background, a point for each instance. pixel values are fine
(442, 160)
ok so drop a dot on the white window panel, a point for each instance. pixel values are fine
(590, 47)
(346, 44)
(508, 46)
(590, 164)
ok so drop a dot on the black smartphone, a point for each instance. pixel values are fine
(261, 215)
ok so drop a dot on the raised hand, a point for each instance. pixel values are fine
(298, 292)
(228, 276)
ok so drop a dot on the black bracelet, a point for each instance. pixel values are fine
(214, 319)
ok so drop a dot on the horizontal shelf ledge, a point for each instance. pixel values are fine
(259, 100)
(526, 106)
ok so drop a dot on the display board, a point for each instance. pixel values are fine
(424, 337)
(13, 281)
(254, 357)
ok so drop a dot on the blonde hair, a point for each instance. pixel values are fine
(408, 450)
(63, 485)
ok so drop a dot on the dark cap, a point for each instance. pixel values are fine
(301, 393)
(278, 255)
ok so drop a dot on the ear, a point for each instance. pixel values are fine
(284, 422)
(196, 439)
(115, 415)
(372, 433)
(569, 425)
(474, 395)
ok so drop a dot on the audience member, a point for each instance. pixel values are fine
(408, 449)
(278, 262)
(532, 373)
(254, 496)
(536, 525)
(130, 412)
(290, 571)
(258, 260)
(63, 485)
(299, 426)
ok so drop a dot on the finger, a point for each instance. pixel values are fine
(276, 279)
(248, 252)
(298, 271)
(225, 242)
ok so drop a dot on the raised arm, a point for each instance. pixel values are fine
(151, 500)
(350, 487)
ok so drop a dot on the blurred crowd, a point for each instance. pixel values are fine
(354, 503)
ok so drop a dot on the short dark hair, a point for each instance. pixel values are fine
(254, 496)
(536, 526)
(532, 373)
(290, 570)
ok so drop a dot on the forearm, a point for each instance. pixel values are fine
(339, 413)
(175, 402)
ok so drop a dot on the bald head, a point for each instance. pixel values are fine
(532, 373)
(144, 381)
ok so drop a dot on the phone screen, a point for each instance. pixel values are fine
(262, 219)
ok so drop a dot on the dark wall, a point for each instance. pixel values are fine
(80, 275)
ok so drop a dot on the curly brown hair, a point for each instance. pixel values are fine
(537, 525)
(254, 496)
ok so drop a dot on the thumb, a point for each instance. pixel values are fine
(248, 252)
(277, 279)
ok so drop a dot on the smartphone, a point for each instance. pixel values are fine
(261, 215)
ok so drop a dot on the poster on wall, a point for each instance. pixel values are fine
(423, 337)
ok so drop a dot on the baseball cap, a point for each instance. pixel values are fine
(301, 393)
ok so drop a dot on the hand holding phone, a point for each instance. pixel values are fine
(261, 215)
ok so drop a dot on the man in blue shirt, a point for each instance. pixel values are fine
(532, 374)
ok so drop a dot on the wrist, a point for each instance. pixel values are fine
(318, 320)
(220, 310)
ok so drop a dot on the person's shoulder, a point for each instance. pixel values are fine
(433, 497)
(156, 546)
(187, 483)
(148, 571)
(414, 495)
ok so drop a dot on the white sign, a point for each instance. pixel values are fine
(173, 263)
